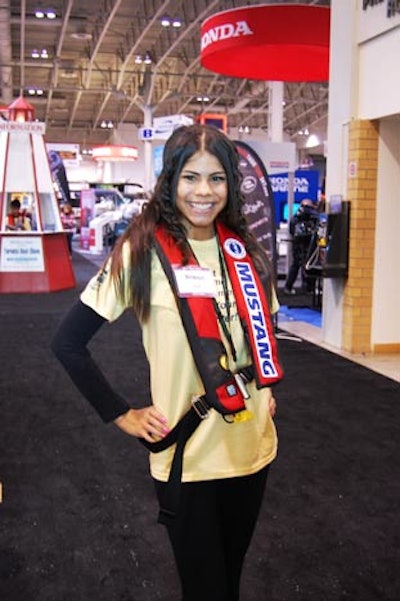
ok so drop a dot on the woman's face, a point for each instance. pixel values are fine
(201, 195)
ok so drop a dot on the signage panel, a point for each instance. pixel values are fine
(21, 254)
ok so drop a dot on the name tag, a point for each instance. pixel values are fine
(194, 280)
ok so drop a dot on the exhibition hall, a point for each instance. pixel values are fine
(199, 299)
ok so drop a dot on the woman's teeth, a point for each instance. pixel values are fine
(201, 206)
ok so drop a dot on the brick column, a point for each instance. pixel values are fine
(361, 191)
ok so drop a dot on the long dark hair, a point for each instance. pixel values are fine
(183, 144)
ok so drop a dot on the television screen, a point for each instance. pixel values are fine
(285, 210)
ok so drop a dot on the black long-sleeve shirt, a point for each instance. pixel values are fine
(70, 347)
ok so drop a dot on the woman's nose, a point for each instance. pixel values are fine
(203, 186)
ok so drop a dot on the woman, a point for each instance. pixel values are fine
(175, 266)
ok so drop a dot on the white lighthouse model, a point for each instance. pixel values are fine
(34, 254)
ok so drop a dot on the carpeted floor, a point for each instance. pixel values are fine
(78, 518)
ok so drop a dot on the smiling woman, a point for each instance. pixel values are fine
(197, 280)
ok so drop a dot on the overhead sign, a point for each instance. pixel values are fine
(146, 133)
(69, 153)
(15, 127)
(268, 42)
(164, 126)
(115, 152)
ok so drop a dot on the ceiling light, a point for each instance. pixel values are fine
(69, 73)
(203, 99)
(35, 92)
(48, 14)
(146, 59)
(35, 53)
(312, 141)
(166, 22)
(81, 36)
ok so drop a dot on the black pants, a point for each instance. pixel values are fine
(212, 532)
(299, 257)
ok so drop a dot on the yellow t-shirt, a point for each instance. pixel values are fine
(216, 449)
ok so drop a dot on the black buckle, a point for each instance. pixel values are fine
(201, 406)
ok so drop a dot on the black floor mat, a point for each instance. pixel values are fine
(78, 517)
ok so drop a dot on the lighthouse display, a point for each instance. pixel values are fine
(34, 255)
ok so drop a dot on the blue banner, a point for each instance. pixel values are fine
(305, 185)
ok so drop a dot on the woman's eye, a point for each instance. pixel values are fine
(188, 177)
(218, 178)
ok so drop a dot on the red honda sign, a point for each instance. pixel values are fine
(268, 42)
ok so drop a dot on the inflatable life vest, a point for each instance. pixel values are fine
(199, 317)
(224, 391)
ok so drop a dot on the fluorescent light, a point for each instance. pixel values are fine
(312, 141)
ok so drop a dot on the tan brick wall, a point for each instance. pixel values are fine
(357, 302)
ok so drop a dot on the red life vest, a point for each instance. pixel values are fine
(201, 323)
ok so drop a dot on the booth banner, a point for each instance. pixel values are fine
(305, 185)
(21, 253)
(59, 174)
(259, 205)
(88, 200)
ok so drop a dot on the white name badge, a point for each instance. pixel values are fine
(194, 280)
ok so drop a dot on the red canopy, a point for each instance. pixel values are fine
(268, 42)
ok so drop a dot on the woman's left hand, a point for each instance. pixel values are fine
(272, 406)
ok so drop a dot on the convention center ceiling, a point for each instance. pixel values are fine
(88, 66)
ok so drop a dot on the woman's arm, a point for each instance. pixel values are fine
(70, 347)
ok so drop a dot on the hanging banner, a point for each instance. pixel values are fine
(259, 202)
(88, 200)
(268, 42)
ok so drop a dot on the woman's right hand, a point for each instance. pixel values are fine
(147, 423)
